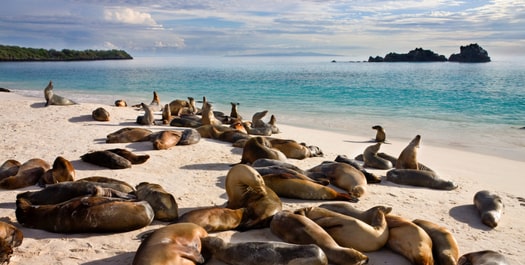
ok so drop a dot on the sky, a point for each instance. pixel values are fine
(356, 29)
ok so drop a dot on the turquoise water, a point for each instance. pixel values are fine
(476, 107)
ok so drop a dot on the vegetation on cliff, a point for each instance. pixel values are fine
(16, 53)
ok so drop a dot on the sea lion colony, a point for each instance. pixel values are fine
(254, 188)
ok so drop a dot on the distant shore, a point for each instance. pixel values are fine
(22, 54)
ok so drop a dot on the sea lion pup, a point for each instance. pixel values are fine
(214, 219)
(372, 160)
(189, 136)
(343, 176)
(484, 257)
(371, 178)
(10, 237)
(116, 184)
(147, 118)
(129, 135)
(263, 253)
(245, 188)
(444, 246)
(272, 125)
(259, 147)
(27, 175)
(348, 231)
(408, 157)
(132, 157)
(409, 240)
(178, 243)
(161, 201)
(298, 229)
(85, 215)
(166, 114)
(293, 149)
(490, 207)
(100, 114)
(380, 134)
(53, 99)
(106, 159)
(61, 171)
(419, 178)
(164, 140)
(9, 168)
(121, 103)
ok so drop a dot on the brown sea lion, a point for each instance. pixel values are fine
(371, 178)
(28, 174)
(129, 135)
(444, 246)
(222, 133)
(9, 168)
(178, 243)
(264, 253)
(267, 166)
(419, 178)
(234, 113)
(298, 229)
(164, 140)
(161, 201)
(121, 103)
(147, 118)
(372, 160)
(272, 125)
(61, 171)
(166, 114)
(214, 219)
(53, 99)
(343, 176)
(208, 117)
(132, 157)
(180, 106)
(409, 240)
(484, 257)
(100, 114)
(110, 183)
(408, 157)
(348, 231)
(380, 134)
(85, 215)
(490, 207)
(189, 136)
(259, 147)
(257, 117)
(106, 159)
(293, 149)
(10, 237)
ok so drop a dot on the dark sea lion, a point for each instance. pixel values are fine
(53, 99)
(147, 118)
(293, 149)
(372, 160)
(132, 157)
(484, 257)
(9, 168)
(10, 237)
(106, 159)
(490, 207)
(371, 178)
(259, 147)
(409, 240)
(419, 178)
(85, 215)
(110, 183)
(298, 229)
(444, 246)
(349, 231)
(178, 243)
(121, 103)
(27, 175)
(380, 134)
(162, 202)
(223, 133)
(164, 140)
(189, 136)
(234, 113)
(257, 117)
(264, 253)
(129, 135)
(100, 114)
(61, 171)
(214, 219)
(343, 176)
(408, 157)
(191, 121)
(3, 89)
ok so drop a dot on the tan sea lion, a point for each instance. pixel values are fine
(173, 244)
(214, 219)
(408, 157)
(166, 114)
(53, 99)
(264, 253)
(121, 103)
(147, 118)
(110, 183)
(419, 178)
(484, 257)
(490, 207)
(164, 140)
(348, 231)
(409, 240)
(372, 160)
(272, 125)
(129, 135)
(257, 117)
(27, 175)
(85, 215)
(108, 159)
(259, 147)
(222, 133)
(180, 106)
(9, 168)
(208, 117)
(100, 114)
(61, 171)
(371, 178)
(380, 134)
(343, 176)
(292, 149)
(10, 237)
(298, 229)
(162, 202)
(444, 245)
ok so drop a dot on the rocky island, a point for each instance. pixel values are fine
(16, 53)
(472, 53)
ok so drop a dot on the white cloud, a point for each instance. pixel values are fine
(129, 16)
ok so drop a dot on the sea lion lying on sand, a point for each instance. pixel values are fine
(419, 178)
(490, 207)
(53, 99)
(28, 174)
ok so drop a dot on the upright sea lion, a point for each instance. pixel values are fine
(162, 202)
(121, 103)
(214, 219)
(444, 246)
(164, 140)
(484, 257)
(85, 215)
(370, 177)
(343, 176)
(257, 117)
(264, 253)
(28, 174)
(234, 113)
(372, 160)
(259, 147)
(107, 159)
(409, 240)
(61, 171)
(380, 134)
(166, 114)
(53, 99)
(490, 207)
(147, 118)
(208, 117)
(299, 229)
(100, 114)
(129, 135)
(272, 125)
(292, 149)
(408, 157)
(178, 243)
(419, 178)
(9, 168)
(189, 136)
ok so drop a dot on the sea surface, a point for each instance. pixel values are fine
(472, 107)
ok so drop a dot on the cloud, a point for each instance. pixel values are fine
(129, 16)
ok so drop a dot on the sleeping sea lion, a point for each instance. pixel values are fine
(129, 135)
(419, 178)
(10, 237)
(162, 202)
(189, 136)
(53, 99)
(164, 140)
(214, 219)
(444, 246)
(100, 114)
(259, 147)
(370, 177)
(409, 240)
(490, 207)
(106, 159)
(110, 183)
(132, 157)
(343, 176)
(27, 175)
(61, 171)
(9, 168)
(484, 257)
(292, 149)
(121, 103)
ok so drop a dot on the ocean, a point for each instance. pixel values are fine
(472, 107)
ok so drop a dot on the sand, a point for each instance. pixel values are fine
(195, 175)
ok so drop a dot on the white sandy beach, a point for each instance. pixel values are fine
(195, 175)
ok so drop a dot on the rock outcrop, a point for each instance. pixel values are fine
(472, 53)
(416, 55)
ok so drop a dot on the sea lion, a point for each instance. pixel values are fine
(208, 117)
(271, 124)
(267, 166)
(110, 183)
(343, 176)
(346, 208)
(100, 114)
(61, 171)
(408, 157)
(9, 168)
(484, 257)
(380, 134)
(234, 113)
(257, 117)
(166, 114)
(132, 157)
(53, 99)
(348, 231)
(409, 240)
(372, 160)
(178, 243)
(106, 159)
(121, 103)
(298, 229)
(10, 237)
(259, 147)
(85, 215)
(264, 253)
(222, 133)
(164, 140)
(3, 89)
(147, 118)
(155, 102)
(419, 178)
(129, 135)
(490, 207)
(245, 188)
(180, 106)
(189, 136)
(444, 246)
(28, 174)
(161, 201)
(371, 178)
(292, 149)
(214, 219)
